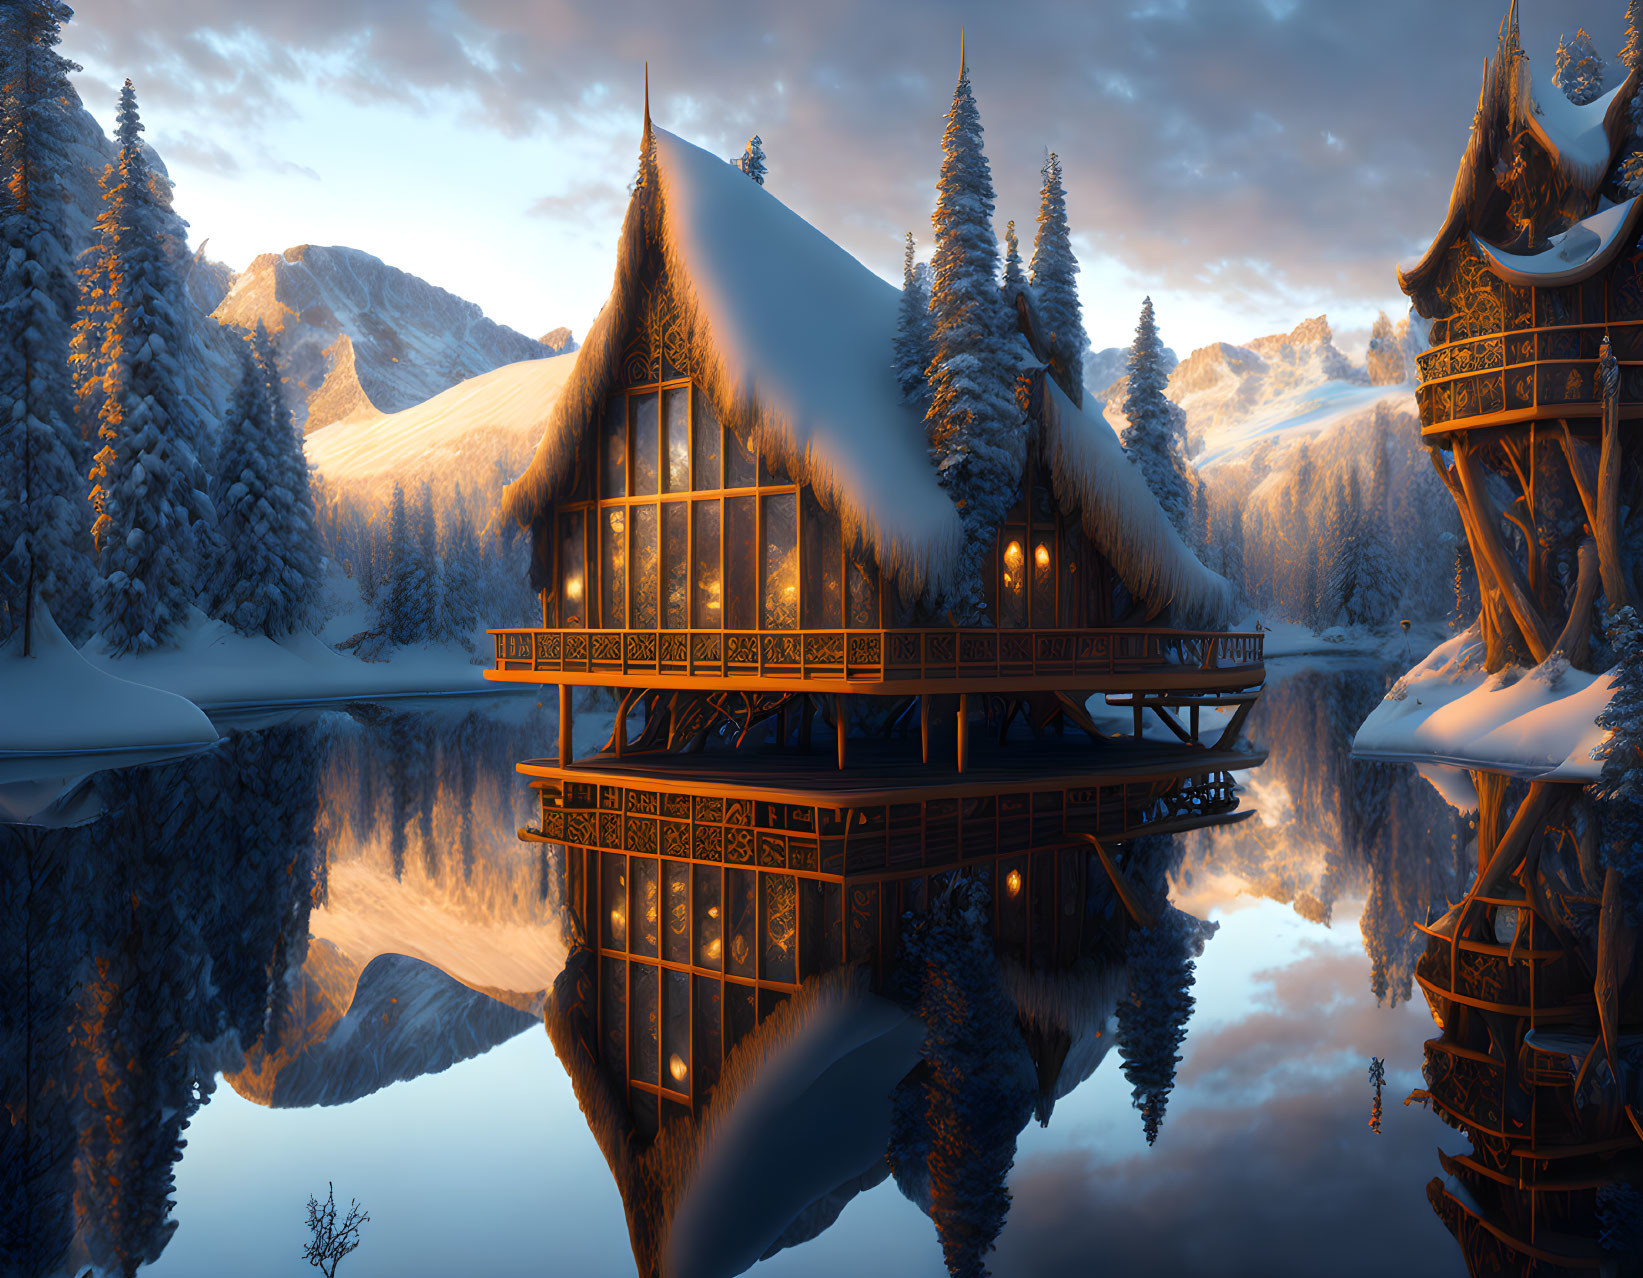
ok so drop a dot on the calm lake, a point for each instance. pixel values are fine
(345, 892)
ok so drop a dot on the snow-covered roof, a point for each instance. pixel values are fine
(1094, 476)
(1579, 141)
(1571, 255)
(792, 339)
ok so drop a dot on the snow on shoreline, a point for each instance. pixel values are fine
(217, 668)
(55, 702)
(1538, 724)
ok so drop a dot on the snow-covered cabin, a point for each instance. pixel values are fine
(732, 491)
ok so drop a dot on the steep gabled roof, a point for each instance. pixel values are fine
(791, 338)
(1570, 148)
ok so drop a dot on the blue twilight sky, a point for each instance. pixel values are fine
(1247, 162)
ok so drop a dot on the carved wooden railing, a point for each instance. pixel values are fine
(874, 656)
(1524, 373)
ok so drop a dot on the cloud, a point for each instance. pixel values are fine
(1278, 154)
(1265, 1164)
(582, 202)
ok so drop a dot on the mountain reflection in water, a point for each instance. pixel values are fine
(313, 911)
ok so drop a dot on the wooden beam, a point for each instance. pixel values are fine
(1572, 643)
(1139, 914)
(566, 748)
(1485, 527)
(841, 719)
(963, 730)
(1616, 584)
(924, 728)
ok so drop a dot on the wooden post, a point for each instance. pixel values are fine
(1488, 547)
(1616, 585)
(841, 718)
(619, 738)
(565, 746)
(963, 730)
(924, 726)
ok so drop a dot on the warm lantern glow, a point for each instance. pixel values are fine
(1012, 882)
(573, 589)
(1013, 559)
(676, 1067)
(713, 950)
(1041, 555)
(713, 911)
(618, 922)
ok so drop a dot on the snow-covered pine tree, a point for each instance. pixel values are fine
(1579, 69)
(44, 522)
(1332, 552)
(976, 431)
(1015, 280)
(1153, 1015)
(246, 578)
(1346, 574)
(1153, 439)
(432, 622)
(1055, 284)
(1631, 54)
(1619, 788)
(300, 553)
(1377, 579)
(149, 491)
(751, 161)
(401, 613)
(911, 348)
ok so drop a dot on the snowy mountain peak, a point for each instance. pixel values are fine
(360, 336)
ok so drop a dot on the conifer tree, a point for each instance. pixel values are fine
(975, 428)
(149, 487)
(1055, 287)
(1154, 439)
(1619, 788)
(1153, 1015)
(460, 581)
(44, 523)
(751, 161)
(912, 347)
(300, 554)
(246, 578)
(1015, 280)
(1579, 69)
(1377, 591)
(1631, 54)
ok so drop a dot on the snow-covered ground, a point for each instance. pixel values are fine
(214, 667)
(55, 701)
(1292, 639)
(1537, 723)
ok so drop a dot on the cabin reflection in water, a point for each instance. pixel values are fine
(777, 996)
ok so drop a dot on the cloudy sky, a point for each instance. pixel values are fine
(1247, 162)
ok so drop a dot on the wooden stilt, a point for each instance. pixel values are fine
(924, 726)
(963, 730)
(619, 738)
(565, 747)
(841, 716)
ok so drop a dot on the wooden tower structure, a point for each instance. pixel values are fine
(1529, 397)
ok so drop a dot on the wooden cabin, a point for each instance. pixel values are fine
(733, 506)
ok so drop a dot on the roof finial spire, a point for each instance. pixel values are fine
(961, 53)
(647, 97)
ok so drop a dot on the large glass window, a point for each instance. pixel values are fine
(676, 439)
(644, 444)
(572, 570)
(781, 563)
(706, 609)
(767, 558)
(741, 562)
(676, 565)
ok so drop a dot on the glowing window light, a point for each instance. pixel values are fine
(1041, 555)
(1012, 882)
(676, 1067)
(573, 589)
(713, 950)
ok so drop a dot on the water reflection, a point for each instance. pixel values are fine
(315, 910)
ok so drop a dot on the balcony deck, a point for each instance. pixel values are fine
(880, 773)
(885, 662)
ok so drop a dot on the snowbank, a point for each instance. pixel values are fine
(216, 667)
(1537, 724)
(55, 701)
(1576, 134)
